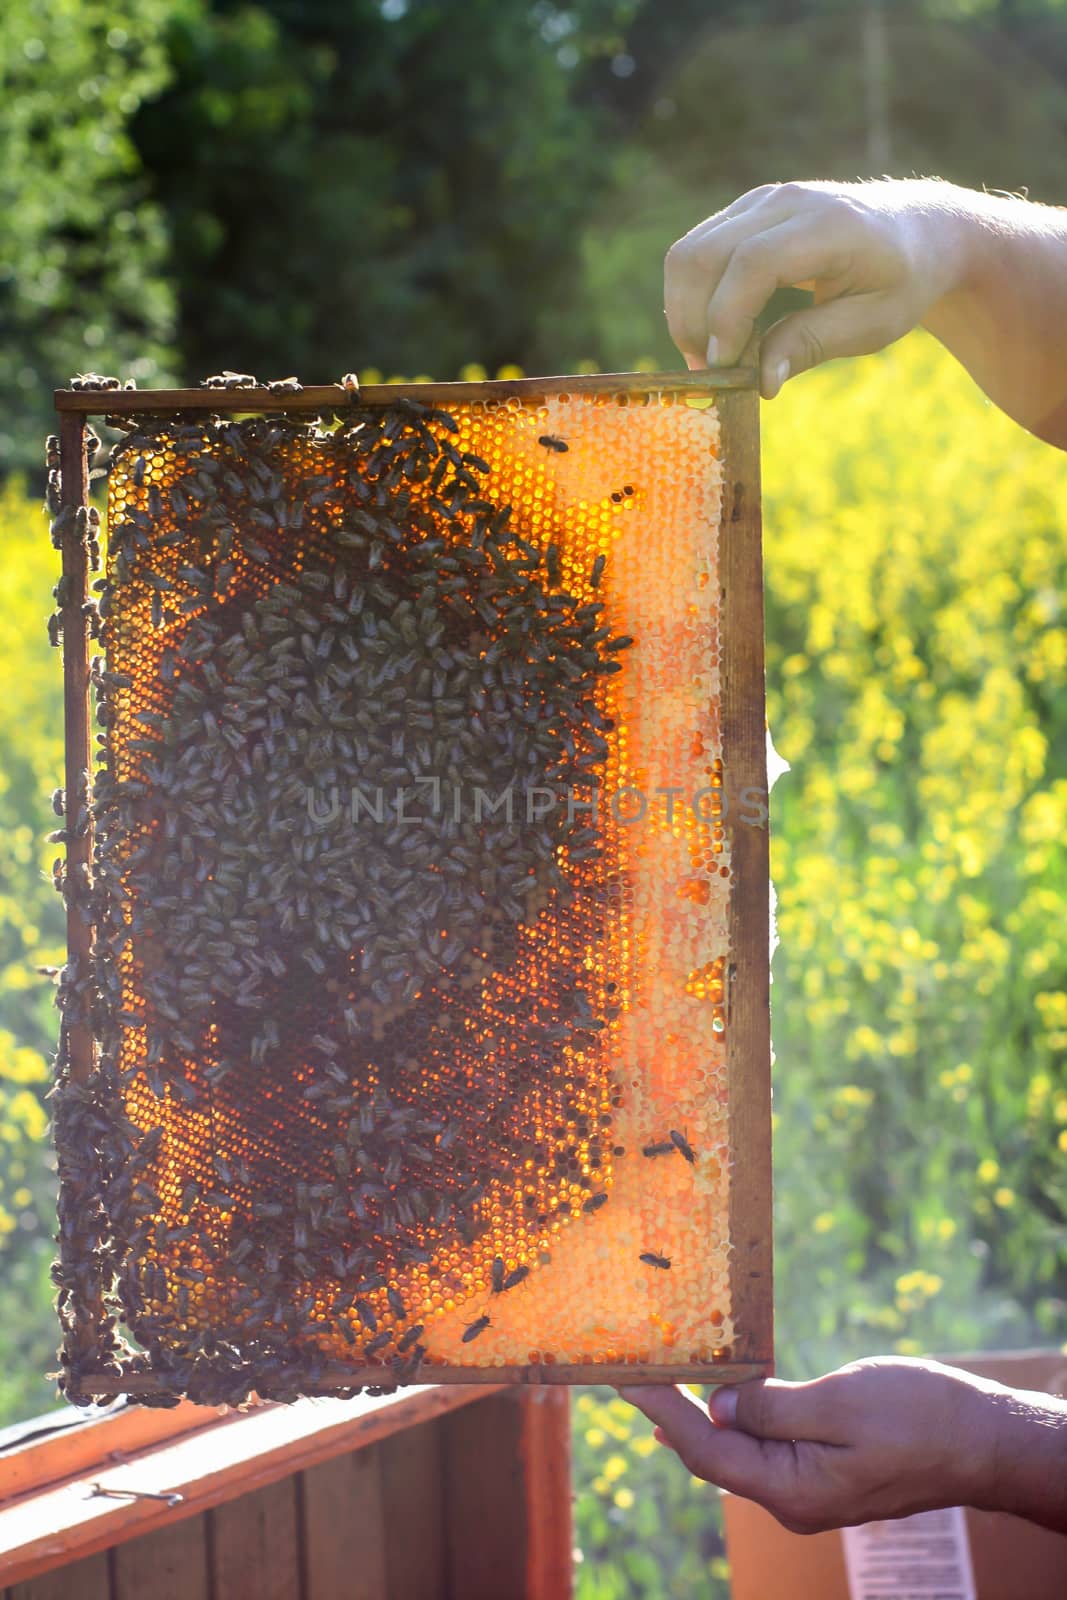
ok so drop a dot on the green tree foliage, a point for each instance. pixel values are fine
(724, 98)
(83, 250)
(372, 184)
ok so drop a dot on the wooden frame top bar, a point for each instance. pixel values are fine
(332, 396)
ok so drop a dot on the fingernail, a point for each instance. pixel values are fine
(723, 1404)
(693, 363)
(713, 351)
(781, 373)
(633, 1395)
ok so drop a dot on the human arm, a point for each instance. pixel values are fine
(878, 1439)
(986, 274)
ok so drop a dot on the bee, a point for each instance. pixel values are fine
(651, 1259)
(598, 571)
(395, 1300)
(366, 1316)
(682, 1143)
(229, 380)
(665, 1148)
(550, 442)
(513, 1279)
(408, 1339)
(350, 383)
(498, 1274)
(473, 1329)
(285, 386)
(379, 1342)
(595, 1202)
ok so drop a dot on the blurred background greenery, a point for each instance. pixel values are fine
(423, 186)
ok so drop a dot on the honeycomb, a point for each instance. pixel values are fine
(411, 890)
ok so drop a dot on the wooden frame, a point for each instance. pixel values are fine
(735, 393)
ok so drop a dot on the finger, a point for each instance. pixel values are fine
(767, 1408)
(761, 197)
(790, 252)
(851, 325)
(695, 263)
(756, 1468)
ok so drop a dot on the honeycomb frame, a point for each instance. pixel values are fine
(96, 1363)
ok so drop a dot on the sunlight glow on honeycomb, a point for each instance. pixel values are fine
(366, 1133)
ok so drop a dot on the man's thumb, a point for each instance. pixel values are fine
(852, 325)
(770, 1409)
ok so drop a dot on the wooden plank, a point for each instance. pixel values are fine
(238, 1455)
(512, 1454)
(337, 1376)
(253, 1547)
(546, 1460)
(97, 1443)
(85, 1580)
(745, 792)
(343, 1528)
(170, 1564)
(483, 1469)
(126, 402)
(413, 1515)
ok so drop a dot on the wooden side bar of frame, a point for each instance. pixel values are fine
(744, 734)
(736, 397)
(74, 496)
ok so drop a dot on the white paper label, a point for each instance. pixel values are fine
(925, 1557)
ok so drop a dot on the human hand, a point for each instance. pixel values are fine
(879, 255)
(878, 1439)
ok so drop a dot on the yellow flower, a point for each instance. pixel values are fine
(988, 1171)
(624, 1498)
(824, 1222)
(1004, 1198)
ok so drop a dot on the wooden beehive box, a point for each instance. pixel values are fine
(416, 1011)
